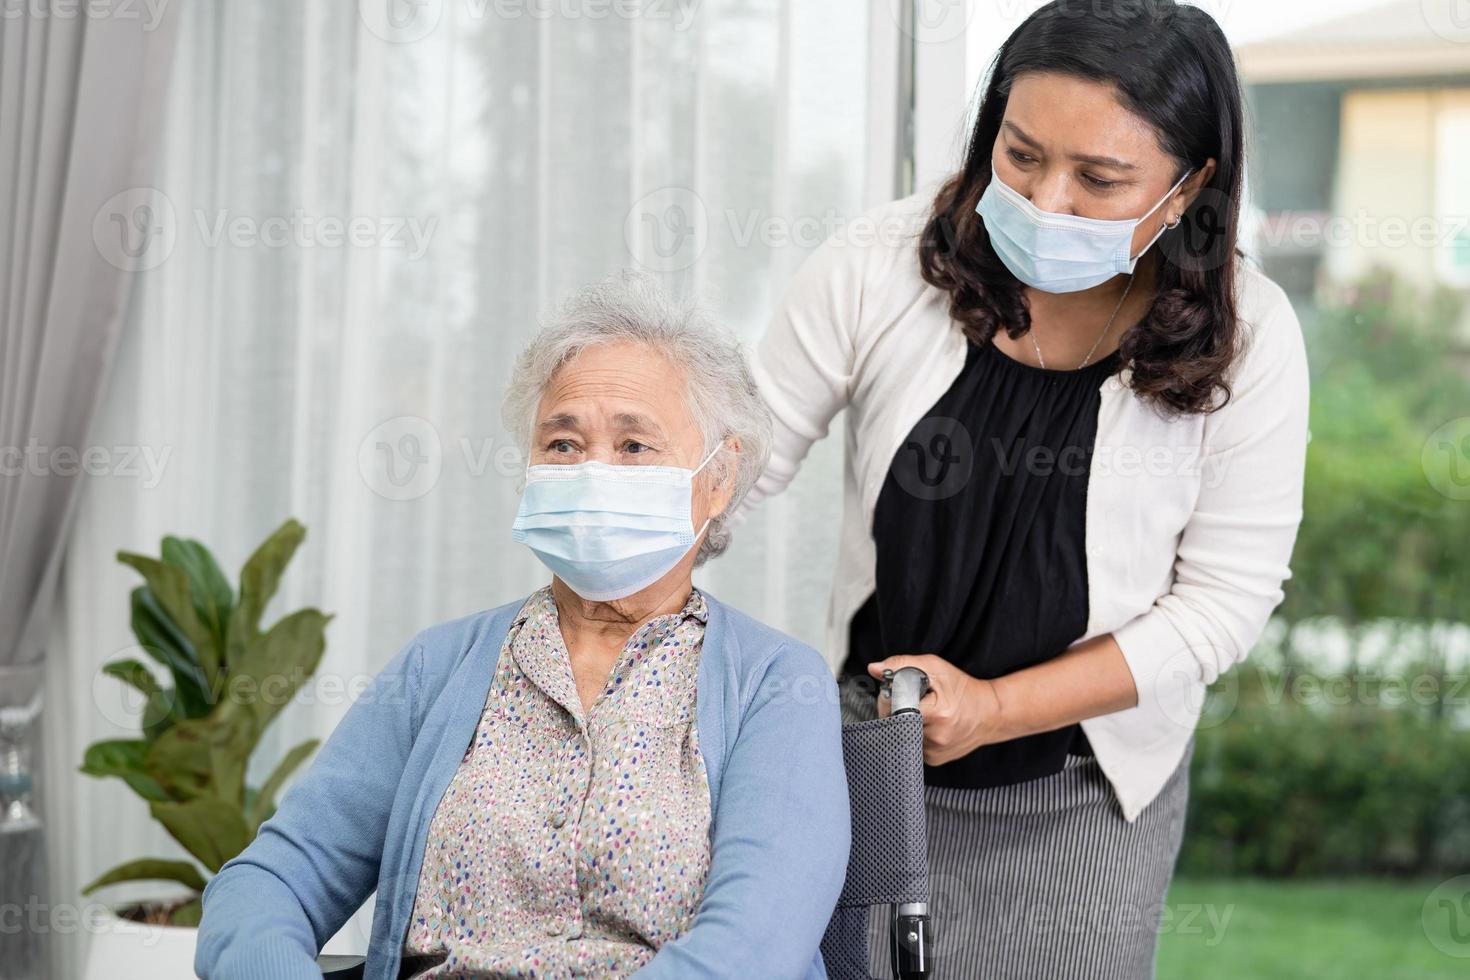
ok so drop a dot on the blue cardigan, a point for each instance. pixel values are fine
(768, 721)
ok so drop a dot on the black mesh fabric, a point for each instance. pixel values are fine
(889, 863)
(845, 946)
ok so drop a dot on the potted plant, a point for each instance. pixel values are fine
(230, 678)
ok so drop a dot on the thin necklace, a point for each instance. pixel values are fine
(1106, 327)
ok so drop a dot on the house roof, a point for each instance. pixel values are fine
(1397, 39)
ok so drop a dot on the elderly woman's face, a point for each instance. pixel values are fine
(624, 403)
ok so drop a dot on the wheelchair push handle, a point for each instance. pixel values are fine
(907, 687)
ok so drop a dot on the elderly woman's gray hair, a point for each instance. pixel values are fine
(719, 389)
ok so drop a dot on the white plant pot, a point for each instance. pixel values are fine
(126, 950)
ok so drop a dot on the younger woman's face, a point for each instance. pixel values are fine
(1068, 145)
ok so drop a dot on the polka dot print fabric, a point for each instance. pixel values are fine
(571, 846)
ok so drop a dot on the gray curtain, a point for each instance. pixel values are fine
(81, 109)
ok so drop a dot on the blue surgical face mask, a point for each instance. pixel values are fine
(1059, 253)
(608, 530)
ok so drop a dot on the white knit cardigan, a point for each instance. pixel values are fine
(1190, 520)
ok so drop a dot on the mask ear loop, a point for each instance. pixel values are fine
(711, 456)
(526, 472)
(1168, 194)
(692, 475)
(1166, 225)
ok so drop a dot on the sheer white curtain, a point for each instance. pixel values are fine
(360, 222)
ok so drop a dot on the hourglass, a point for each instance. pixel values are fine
(22, 847)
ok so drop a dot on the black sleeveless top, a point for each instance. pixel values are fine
(980, 530)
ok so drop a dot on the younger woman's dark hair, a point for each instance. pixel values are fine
(1170, 64)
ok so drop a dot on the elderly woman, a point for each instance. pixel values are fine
(615, 775)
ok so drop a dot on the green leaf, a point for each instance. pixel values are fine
(133, 672)
(204, 756)
(209, 755)
(124, 758)
(208, 588)
(279, 662)
(162, 641)
(159, 708)
(108, 758)
(170, 586)
(188, 915)
(248, 805)
(151, 869)
(259, 579)
(160, 713)
(180, 759)
(263, 803)
(208, 828)
(199, 735)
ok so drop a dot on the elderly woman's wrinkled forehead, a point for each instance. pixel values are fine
(620, 387)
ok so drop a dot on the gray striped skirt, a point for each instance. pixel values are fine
(1043, 878)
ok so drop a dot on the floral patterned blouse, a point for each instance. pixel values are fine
(570, 846)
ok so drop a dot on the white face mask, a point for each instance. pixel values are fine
(608, 530)
(1060, 253)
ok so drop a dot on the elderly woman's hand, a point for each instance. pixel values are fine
(961, 712)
